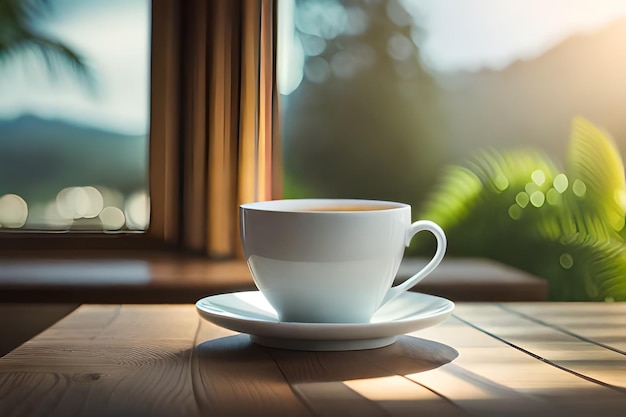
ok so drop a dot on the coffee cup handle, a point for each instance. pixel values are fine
(414, 229)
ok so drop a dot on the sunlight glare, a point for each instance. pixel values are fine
(470, 35)
(289, 50)
(389, 388)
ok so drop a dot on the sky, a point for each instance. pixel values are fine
(114, 38)
(114, 35)
(470, 35)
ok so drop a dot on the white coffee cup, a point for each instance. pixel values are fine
(331, 260)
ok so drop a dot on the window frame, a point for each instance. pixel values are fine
(172, 43)
(164, 140)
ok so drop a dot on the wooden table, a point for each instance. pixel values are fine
(510, 359)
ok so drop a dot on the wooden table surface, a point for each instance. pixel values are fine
(511, 359)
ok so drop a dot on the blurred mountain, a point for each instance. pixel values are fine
(39, 157)
(532, 102)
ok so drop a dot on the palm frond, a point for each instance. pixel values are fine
(594, 164)
(456, 196)
(17, 36)
(608, 271)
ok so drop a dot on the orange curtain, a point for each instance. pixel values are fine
(231, 148)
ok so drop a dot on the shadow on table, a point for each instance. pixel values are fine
(237, 356)
(232, 376)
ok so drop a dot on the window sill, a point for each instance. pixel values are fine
(168, 278)
(150, 278)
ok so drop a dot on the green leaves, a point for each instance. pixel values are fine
(519, 208)
(458, 194)
(595, 164)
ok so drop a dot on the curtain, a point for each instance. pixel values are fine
(230, 143)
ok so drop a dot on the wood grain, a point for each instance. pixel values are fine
(493, 373)
(341, 383)
(514, 359)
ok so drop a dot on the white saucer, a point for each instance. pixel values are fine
(249, 312)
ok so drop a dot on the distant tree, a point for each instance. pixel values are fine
(364, 121)
(18, 35)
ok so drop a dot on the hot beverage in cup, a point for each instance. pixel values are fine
(331, 260)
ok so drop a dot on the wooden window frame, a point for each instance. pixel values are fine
(187, 38)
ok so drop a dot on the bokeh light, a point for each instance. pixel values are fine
(522, 199)
(13, 211)
(344, 65)
(515, 212)
(531, 187)
(560, 183)
(537, 199)
(620, 198)
(317, 70)
(52, 217)
(566, 261)
(538, 177)
(579, 188)
(95, 202)
(112, 218)
(79, 202)
(501, 182)
(97, 208)
(553, 197)
(399, 47)
(312, 45)
(137, 211)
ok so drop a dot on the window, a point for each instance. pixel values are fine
(211, 99)
(74, 115)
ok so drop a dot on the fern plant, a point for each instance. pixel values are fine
(519, 208)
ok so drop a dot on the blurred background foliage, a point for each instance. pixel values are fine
(470, 120)
(518, 207)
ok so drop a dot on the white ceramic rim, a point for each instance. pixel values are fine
(299, 205)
